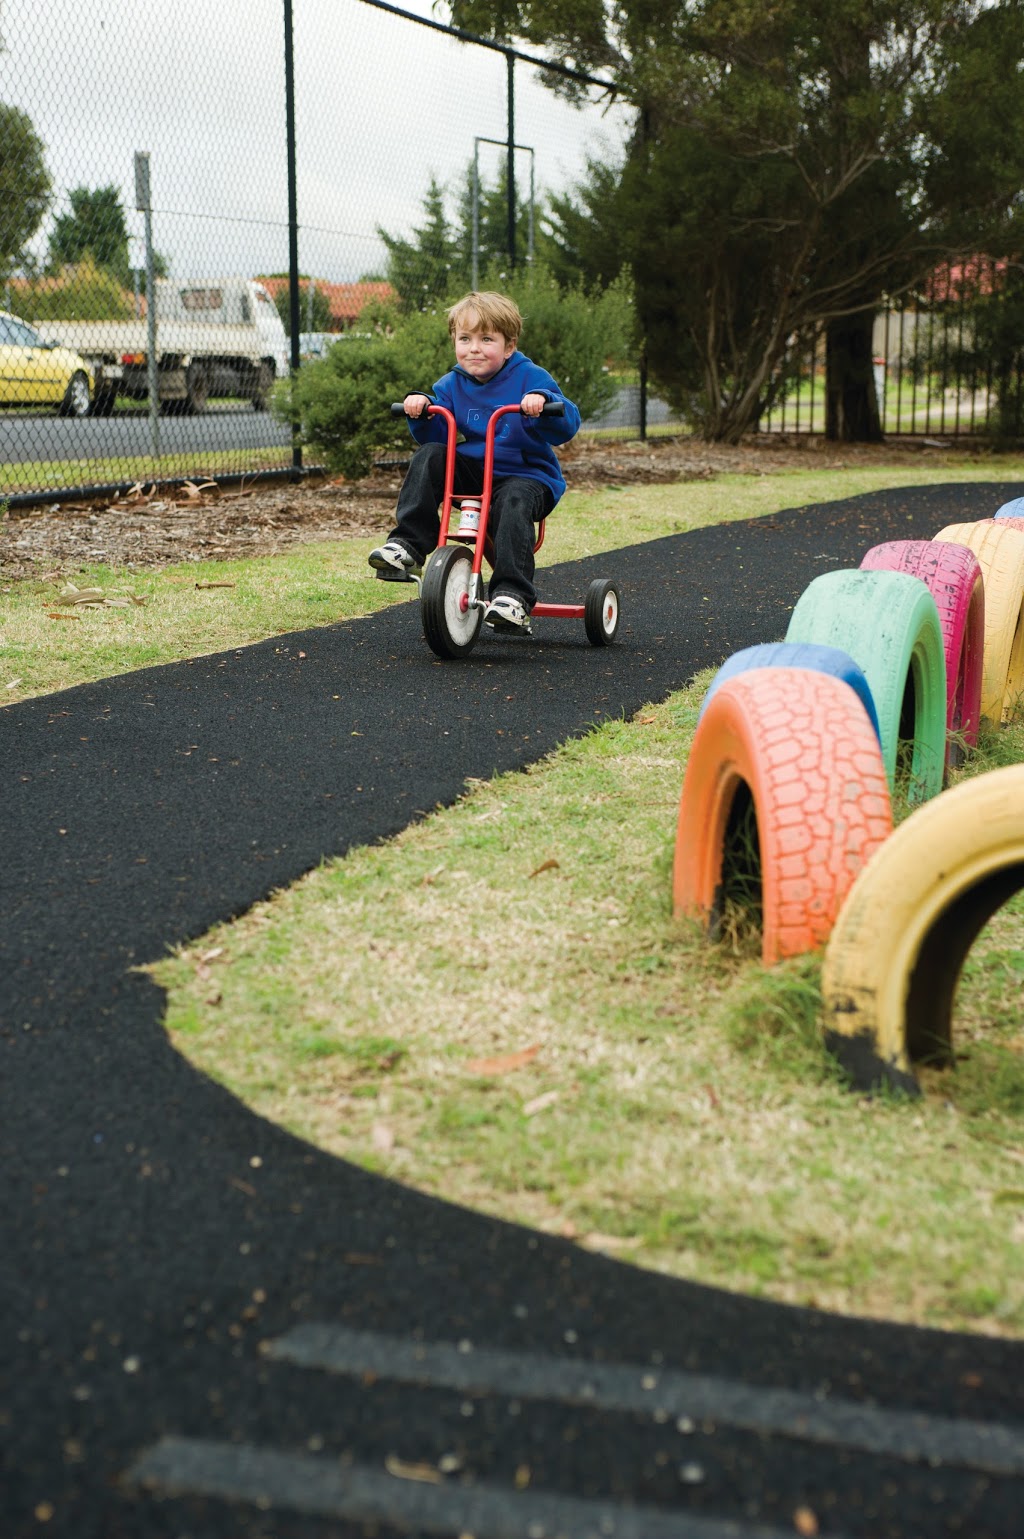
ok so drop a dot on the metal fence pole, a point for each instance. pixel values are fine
(510, 65)
(293, 216)
(144, 201)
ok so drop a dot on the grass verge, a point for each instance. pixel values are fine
(549, 1045)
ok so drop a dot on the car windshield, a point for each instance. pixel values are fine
(17, 334)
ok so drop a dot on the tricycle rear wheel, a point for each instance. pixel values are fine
(450, 623)
(601, 612)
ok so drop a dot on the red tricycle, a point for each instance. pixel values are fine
(452, 588)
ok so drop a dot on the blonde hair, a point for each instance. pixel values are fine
(494, 312)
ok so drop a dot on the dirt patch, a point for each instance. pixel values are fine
(154, 526)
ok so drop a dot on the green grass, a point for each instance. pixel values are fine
(625, 1083)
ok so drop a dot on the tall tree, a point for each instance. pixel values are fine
(420, 269)
(96, 226)
(24, 185)
(792, 164)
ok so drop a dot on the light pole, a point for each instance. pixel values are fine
(477, 142)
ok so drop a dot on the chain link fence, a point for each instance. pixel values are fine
(248, 168)
(266, 176)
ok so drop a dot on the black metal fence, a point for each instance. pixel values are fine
(948, 361)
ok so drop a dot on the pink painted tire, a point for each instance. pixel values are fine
(954, 578)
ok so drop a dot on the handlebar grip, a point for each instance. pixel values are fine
(553, 409)
(397, 409)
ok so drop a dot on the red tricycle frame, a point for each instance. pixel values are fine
(452, 589)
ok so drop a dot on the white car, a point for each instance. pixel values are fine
(38, 373)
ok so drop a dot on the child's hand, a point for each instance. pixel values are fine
(415, 405)
(533, 404)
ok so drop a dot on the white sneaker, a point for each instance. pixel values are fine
(505, 612)
(392, 556)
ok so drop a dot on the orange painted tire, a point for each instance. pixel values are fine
(1000, 552)
(953, 576)
(798, 745)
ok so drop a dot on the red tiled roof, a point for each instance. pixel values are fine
(347, 300)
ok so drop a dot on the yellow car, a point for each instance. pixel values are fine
(38, 373)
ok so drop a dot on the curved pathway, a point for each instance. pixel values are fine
(210, 1329)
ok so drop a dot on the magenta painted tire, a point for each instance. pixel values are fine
(953, 576)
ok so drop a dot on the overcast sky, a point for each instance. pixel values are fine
(381, 104)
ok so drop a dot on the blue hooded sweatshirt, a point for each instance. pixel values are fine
(522, 445)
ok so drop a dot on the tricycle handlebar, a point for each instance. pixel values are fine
(549, 409)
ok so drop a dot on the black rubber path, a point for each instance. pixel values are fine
(165, 1255)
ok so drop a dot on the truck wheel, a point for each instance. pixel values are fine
(197, 385)
(263, 386)
(76, 397)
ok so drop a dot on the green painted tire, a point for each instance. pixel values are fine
(889, 624)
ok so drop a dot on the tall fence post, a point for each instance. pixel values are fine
(144, 201)
(293, 217)
(510, 65)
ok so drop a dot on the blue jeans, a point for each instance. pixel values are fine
(518, 503)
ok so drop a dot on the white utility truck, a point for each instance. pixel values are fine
(214, 336)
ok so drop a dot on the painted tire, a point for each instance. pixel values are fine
(788, 654)
(899, 944)
(1010, 523)
(954, 579)
(889, 624)
(1012, 509)
(1000, 553)
(799, 746)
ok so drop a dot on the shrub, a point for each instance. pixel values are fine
(83, 292)
(340, 402)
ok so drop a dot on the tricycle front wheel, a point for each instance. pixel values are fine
(601, 612)
(450, 623)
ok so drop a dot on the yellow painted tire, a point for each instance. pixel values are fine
(908, 922)
(1000, 553)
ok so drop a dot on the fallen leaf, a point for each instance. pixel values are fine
(14, 684)
(50, 615)
(404, 1471)
(72, 595)
(546, 865)
(540, 1102)
(805, 1522)
(505, 1064)
(596, 1241)
(382, 1138)
(215, 585)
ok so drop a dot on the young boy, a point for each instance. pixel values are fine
(489, 372)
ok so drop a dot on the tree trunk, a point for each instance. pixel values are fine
(851, 401)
